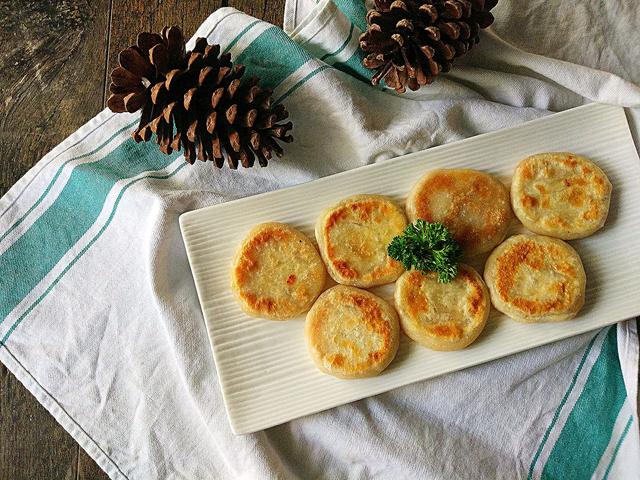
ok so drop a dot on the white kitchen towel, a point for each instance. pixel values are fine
(98, 311)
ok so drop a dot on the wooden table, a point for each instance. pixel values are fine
(54, 68)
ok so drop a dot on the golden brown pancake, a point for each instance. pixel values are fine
(351, 333)
(536, 279)
(353, 237)
(562, 195)
(473, 205)
(277, 272)
(442, 316)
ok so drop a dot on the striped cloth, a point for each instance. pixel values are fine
(99, 317)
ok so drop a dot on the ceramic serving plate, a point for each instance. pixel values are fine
(265, 373)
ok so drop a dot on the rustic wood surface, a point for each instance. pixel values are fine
(54, 64)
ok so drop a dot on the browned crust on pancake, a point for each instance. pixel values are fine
(371, 318)
(415, 302)
(299, 295)
(374, 316)
(474, 194)
(478, 294)
(343, 269)
(442, 334)
(562, 195)
(533, 255)
(364, 208)
(247, 261)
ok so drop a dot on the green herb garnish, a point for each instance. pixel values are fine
(428, 247)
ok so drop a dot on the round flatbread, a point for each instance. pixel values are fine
(536, 279)
(353, 237)
(562, 195)
(277, 272)
(442, 316)
(473, 205)
(351, 333)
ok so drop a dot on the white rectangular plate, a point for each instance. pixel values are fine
(265, 373)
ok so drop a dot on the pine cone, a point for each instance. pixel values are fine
(197, 101)
(409, 42)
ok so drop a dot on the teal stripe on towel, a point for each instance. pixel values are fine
(617, 447)
(35, 253)
(57, 175)
(342, 47)
(588, 429)
(240, 35)
(301, 82)
(86, 248)
(44, 167)
(272, 57)
(353, 66)
(354, 10)
(556, 415)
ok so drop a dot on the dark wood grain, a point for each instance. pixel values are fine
(55, 57)
(32, 444)
(52, 59)
(87, 469)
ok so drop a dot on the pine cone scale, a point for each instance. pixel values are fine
(168, 112)
(159, 57)
(249, 119)
(175, 45)
(231, 114)
(158, 93)
(118, 89)
(134, 101)
(146, 41)
(124, 78)
(132, 60)
(188, 98)
(116, 103)
(216, 97)
(205, 73)
(211, 121)
(234, 140)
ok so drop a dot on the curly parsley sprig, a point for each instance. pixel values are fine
(428, 247)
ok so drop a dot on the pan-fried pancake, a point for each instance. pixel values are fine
(442, 316)
(277, 272)
(353, 237)
(474, 206)
(536, 279)
(351, 333)
(562, 195)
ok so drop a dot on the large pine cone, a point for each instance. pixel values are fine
(409, 42)
(197, 101)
